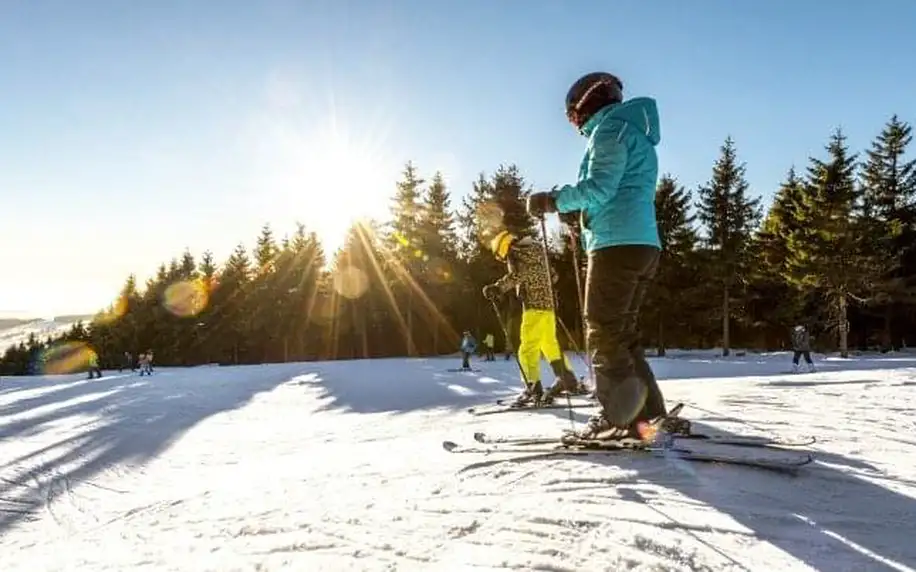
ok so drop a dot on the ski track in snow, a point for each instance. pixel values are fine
(339, 465)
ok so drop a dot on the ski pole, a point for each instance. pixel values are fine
(574, 240)
(553, 303)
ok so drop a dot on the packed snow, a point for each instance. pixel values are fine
(339, 466)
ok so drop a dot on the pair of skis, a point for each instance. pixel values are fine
(757, 452)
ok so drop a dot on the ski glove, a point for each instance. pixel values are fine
(571, 219)
(541, 203)
(491, 292)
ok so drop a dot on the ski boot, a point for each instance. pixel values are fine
(581, 388)
(566, 382)
(676, 426)
(598, 428)
(532, 395)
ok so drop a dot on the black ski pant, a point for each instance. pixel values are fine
(800, 353)
(615, 286)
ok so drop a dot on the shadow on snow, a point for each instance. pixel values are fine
(128, 420)
(400, 385)
(825, 518)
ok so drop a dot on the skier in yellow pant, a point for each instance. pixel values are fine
(531, 277)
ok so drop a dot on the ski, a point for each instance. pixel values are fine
(783, 465)
(762, 442)
(494, 409)
(508, 401)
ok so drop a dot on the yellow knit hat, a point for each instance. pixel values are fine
(500, 244)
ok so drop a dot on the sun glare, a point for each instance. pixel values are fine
(315, 170)
(346, 184)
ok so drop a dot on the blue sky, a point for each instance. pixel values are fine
(131, 130)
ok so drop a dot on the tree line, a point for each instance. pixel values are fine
(835, 250)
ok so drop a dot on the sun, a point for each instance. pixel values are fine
(321, 173)
(347, 182)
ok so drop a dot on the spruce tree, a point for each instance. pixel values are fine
(888, 182)
(730, 216)
(405, 243)
(826, 252)
(774, 301)
(666, 301)
(440, 262)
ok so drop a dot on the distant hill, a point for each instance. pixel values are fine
(11, 323)
(14, 331)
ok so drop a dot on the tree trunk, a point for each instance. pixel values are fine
(410, 348)
(660, 350)
(725, 322)
(887, 339)
(843, 324)
(436, 324)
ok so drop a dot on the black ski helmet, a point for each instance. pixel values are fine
(591, 93)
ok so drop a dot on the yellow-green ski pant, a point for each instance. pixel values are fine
(538, 336)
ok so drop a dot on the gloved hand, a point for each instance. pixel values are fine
(491, 292)
(571, 219)
(540, 204)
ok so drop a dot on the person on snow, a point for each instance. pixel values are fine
(144, 363)
(127, 363)
(615, 199)
(801, 346)
(94, 370)
(488, 342)
(468, 347)
(529, 274)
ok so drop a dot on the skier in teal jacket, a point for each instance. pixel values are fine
(614, 200)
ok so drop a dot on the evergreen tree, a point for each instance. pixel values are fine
(364, 310)
(774, 302)
(888, 184)
(730, 217)
(826, 251)
(231, 323)
(407, 246)
(441, 270)
(666, 300)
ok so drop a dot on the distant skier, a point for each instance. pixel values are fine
(529, 275)
(801, 346)
(144, 363)
(94, 370)
(488, 342)
(468, 347)
(127, 362)
(615, 196)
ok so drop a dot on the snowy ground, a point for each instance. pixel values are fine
(338, 466)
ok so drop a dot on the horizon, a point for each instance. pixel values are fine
(133, 133)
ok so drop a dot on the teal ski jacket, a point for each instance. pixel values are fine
(617, 178)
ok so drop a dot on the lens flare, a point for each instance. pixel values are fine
(114, 312)
(439, 271)
(65, 357)
(350, 282)
(186, 298)
(489, 218)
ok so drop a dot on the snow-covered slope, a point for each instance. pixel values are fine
(339, 466)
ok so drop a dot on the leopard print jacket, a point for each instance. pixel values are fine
(528, 274)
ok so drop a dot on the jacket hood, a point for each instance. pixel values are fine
(640, 113)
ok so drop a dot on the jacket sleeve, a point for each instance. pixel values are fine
(606, 164)
(512, 278)
(507, 282)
